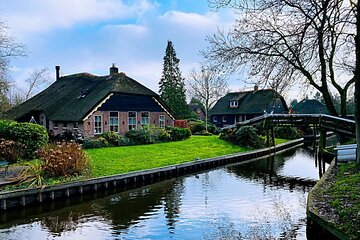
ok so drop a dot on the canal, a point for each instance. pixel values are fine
(264, 199)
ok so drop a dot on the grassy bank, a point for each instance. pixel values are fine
(345, 199)
(116, 160)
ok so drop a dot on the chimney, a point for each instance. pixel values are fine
(57, 70)
(256, 87)
(113, 69)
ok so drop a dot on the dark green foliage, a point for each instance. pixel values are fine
(114, 139)
(199, 126)
(286, 132)
(203, 133)
(32, 136)
(94, 143)
(246, 136)
(171, 85)
(139, 136)
(10, 151)
(177, 134)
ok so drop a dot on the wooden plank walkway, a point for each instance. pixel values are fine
(327, 122)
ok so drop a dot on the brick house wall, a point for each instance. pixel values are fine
(88, 125)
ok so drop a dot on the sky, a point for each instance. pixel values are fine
(90, 35)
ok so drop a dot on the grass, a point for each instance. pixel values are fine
(345, 198)
(116, 160)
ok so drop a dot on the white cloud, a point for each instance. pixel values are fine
(128, 28)
(192, 20)
(46, 15)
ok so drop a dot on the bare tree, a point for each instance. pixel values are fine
(9, 49)
(282, 42)
(36, 80)
(207, 85)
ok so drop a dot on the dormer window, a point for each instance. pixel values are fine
(234, 104)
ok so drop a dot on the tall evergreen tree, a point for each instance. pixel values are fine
(172, 85)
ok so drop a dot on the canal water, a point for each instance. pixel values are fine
(264, 199)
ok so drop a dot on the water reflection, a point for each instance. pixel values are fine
(265, 199)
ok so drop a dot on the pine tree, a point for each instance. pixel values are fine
(171, 85)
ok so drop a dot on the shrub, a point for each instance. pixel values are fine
(177, 134)
(203, 133)
(139, 136)
(157, 134)
(246, 136)
(32, 136)
(10, 151)
(199, 126)
(114, 139)
(286, 132)
(229, 135)
(64, 159)
(181, 123)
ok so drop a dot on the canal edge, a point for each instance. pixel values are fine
(312, 213)
(24, 197)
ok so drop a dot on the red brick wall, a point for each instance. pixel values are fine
(123, 121)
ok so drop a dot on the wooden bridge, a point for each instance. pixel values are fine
(318, 121)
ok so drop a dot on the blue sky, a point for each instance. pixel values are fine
(90, 35)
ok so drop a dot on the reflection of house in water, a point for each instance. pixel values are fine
(121, 210)
(266, 170)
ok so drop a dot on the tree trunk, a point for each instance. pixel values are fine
(357, 82)
(343, 110)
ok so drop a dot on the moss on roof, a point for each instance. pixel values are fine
(72, 97)
(250, 102)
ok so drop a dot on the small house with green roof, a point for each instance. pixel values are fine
(310, 106)
(236, 107)
(90, 105)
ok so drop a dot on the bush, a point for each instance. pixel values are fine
(113, 139)
(181, 123)
(286, 132)
(10, 151)
(203, 133)
(32, 136)
(177, 134)
(199, 126)
(139, 136)
(65, 159)
(229, 135)
(246, 136)
(157, 134)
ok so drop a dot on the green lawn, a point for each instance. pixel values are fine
(116, 160)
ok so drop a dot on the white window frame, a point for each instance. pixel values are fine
(145, 120)
(111, 123)
(214, 118)
(76, 125)
(234, 104)
(98, 129)
(135, 126)
(224, 119)
(161, 121)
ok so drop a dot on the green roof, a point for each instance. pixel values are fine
(72, 97)
(249, 102)
(307, 106)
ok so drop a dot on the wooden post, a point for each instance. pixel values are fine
(268, 137)
(273, 136)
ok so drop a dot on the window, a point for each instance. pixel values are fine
(114, 121)
(234, 104)
(65, 125)
(97, 124)
(145, 118)
(161, 121)
(214, 119)
(56, 125)
(132, 120)
(224, 118)
(76, 125)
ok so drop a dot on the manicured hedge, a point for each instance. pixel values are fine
(31, 136)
